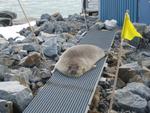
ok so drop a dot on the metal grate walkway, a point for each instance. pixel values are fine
(72, 95)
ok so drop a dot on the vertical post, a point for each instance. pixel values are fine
(116, 77)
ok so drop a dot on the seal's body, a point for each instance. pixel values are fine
(79, 59)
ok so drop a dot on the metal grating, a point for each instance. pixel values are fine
(71, 95)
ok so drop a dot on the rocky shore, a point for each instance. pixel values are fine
(26, 65)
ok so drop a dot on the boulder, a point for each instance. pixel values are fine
(3, 69)
(47, 27)
(6, 106)
(140, 27)
(98, 26)
(18, 94)
(29, 47)
(67, 45)
(50, 48)
(8, 14)
(147, 32)
(21, 75)
(7, 60)
(39, 74)
(3, 43)
(58, 16)
(33, 59)
(148, 104)
(139, 89)
(45, 16)
(5, 21)
(129, 101)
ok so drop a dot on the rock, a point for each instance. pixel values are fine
(39, 74)
(147, 32)
(45, 16)
(128, 71)
(139, 89)
(6, 60)
(8, 14)
(23, 53)
(98, 26)
(3, 43)
(140, 27)
(6, 106)
(21, 75)
(47, 27)
(148, 104)
(58, 16)
(29, 47)
(33, 59)
(50, 48)
(58, 28)
(110, 24)
(128, 101)
(64, 26)
(67, 36)
(5, 21)
(67, 45)
(120, 83)
(18, 94)
(3, 70)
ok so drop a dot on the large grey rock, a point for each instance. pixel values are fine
(5, 21)
(29, 47)
(21, 75)
(47, 27)
(66, 46)
(3, 69)
(3, 43)
(6, 106)
(140, 27)
(139, 89)
(128, 101)
(98, 26)
(33, 59)
(110, 24)
(7, 60)
(50, 48)
(148, 104)
(58, 16)
(147, 32)
(18, 94)
(8, 14)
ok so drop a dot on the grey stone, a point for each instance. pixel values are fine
(128, 101)
(21, 75)
(58, 17)
(140, 27)
(3, 43)
(3, 70)
(139, 89)
(8, 14)
(6, 106)
(45, 16)
(47, 27)
(23, 53)
(5, 21)
(98, 26)
(33, 59)
(148, 104)
(29, 47)
(147, 32)
(18, 94)
(7, 60)
(50, 48)
(110, 24)
(67, 45)
(58, 28)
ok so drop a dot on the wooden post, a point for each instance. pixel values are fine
(116, 77)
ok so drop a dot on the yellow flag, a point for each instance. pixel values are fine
(129, 32)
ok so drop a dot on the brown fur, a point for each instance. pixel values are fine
(79, 59)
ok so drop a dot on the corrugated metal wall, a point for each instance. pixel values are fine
(115, 9)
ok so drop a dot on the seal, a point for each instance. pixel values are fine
(79, 59)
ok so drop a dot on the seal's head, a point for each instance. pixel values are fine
(75, 69)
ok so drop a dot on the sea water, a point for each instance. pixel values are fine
(34, 8)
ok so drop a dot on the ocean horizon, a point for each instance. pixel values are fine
(36, 8)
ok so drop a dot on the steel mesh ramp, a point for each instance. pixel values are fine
(71, 95)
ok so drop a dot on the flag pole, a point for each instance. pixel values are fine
(116, 77)
(117, 71)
